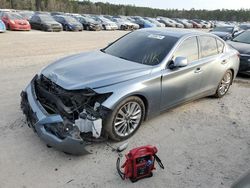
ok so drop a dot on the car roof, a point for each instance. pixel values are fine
(175, 32)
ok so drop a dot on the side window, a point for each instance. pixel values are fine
(220, 46)
(188, 49)
(56, 18)
(208, 46)
(33, 19)
(38, 19)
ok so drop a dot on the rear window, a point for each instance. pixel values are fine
(15, 16)
(208, 46)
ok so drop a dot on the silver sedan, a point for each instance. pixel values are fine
(108, 93)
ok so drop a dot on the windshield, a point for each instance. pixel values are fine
(88, 19)
(104, 19)
(243, 37)
(46, 18)
(26, 14)
(14, 16)
(224, 29)
(70, 19)
(245, 27)
(142, 47)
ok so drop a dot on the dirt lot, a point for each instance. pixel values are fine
(205, 143)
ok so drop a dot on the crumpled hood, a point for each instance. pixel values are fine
(93, 70)
(241, 47)
(220, 34)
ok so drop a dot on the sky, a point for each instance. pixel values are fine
(184, 4)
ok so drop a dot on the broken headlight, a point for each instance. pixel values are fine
(62, 130)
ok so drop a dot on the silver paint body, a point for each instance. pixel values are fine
(160, 87)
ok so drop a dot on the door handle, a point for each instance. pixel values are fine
(198, 70)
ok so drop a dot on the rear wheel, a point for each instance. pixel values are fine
(125, 119)
(224, 84)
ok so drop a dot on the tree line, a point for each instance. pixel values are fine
(88, 7)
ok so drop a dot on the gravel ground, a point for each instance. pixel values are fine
(204, 144)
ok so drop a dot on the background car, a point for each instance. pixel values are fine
(106, 23)
(154, 21)
(225, 32)
(45, 22)
(195, 24)
(110, 92)
(68, 23)
(244, 26)
(124, 24)
(88, 23)
(204, 24)
(2, 27)
(168, 22)
(142, 22)
(26, 14)
(184, 22)
(242, 44)
(14, 21)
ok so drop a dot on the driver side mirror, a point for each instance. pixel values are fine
(179, 62)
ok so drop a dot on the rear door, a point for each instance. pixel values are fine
(213, 62)
(182, 84)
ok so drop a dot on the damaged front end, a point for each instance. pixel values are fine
(65, 119)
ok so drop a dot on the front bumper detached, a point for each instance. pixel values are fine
(38, 119)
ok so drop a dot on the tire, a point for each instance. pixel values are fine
(130, 121)
(67, 28)
(224, 84)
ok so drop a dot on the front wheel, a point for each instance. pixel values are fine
(67, 28)
(224, 84)
(125, 119)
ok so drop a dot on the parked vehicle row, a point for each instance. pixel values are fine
(46, 21)
(58, 21)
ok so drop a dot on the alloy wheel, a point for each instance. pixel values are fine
(225, 83)
(127, 119)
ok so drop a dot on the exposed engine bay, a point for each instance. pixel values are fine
(81, 110)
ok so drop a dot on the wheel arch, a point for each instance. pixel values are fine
(233, 74)
(145, 102)
(139, 95)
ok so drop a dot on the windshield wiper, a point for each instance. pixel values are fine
(240, 41)
(102, 50)
(124, 58)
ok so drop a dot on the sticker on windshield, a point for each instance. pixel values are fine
(159, 37)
